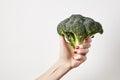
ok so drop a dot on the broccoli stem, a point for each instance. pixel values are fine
(77, 40)
(73, 39)
(72, 42)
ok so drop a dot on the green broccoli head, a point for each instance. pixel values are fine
(77, 27)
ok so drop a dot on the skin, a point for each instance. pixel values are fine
(67, 60)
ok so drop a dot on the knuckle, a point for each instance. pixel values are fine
(89, 45)
(84, 58)
(87, 50)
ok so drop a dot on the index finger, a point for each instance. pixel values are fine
(87, 40)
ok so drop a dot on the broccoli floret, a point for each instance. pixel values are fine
(77, 27)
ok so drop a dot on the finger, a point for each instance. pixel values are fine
(87, 40)
(84, 46)
(83, 59)
(82, 51)
(80, 58)
(77, 57)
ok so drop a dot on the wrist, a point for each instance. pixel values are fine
(65, 65)
(61, 68)
(56, 72)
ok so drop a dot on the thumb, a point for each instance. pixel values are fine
(64, 44)
(62, 40)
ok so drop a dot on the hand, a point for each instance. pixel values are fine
(70, 57)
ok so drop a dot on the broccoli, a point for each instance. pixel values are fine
(77, 27)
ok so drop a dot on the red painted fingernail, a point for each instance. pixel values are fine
(86, 39)
(75, 52)
(77, 47)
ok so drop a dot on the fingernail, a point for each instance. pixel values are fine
(86, 39)
(77, 47)
(75, 52)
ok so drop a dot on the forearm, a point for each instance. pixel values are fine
(58, 70)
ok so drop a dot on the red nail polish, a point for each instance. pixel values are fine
(86, 39)
(77, 47)
(75, 52)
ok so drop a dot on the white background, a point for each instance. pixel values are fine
(29, 43)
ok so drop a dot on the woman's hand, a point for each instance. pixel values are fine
(68, 59)
(73, 58)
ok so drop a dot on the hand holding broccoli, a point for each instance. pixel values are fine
(77, 27)
(67, 57)
(77, 30)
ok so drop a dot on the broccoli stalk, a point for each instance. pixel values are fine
(77, 27)
(73, 39)
(77, 41)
